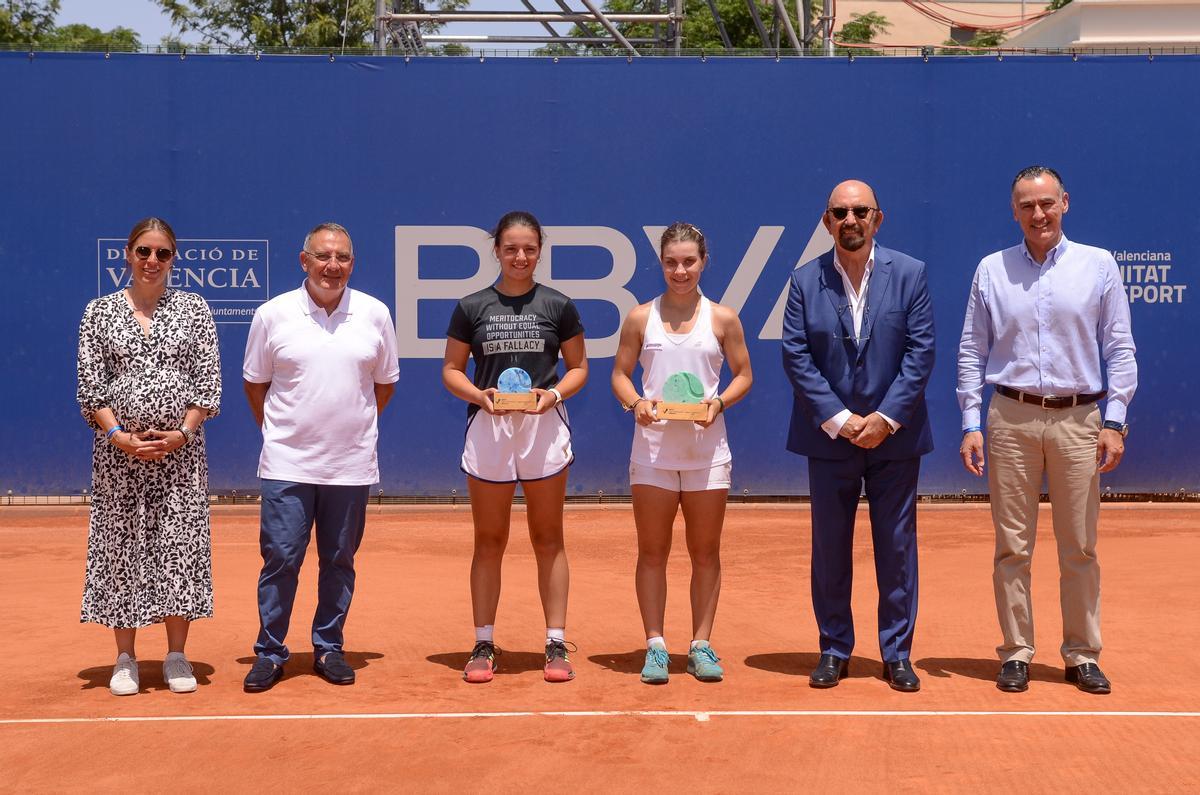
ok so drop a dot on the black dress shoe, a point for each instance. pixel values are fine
(901, 676)
(262, 676)
(1089, 678)
(333, 669)
(1014, 677)
(830, 670)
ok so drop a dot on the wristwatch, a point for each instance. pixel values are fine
(1120, 427)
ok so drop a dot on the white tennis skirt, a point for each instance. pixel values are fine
(514, 447)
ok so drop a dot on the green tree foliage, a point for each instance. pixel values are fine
(863, 28)
(85, 37)
(26, 21)
(983, 39)
(31, 23)
(262, 24)
(1057, 4)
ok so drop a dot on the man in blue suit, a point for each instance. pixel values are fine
(858, 350)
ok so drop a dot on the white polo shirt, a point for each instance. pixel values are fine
(319, 418)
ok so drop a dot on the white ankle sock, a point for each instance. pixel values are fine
(555, 634)
(485, 633)
(658, 641)
(696, 643)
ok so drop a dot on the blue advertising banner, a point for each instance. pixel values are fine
(244, 154)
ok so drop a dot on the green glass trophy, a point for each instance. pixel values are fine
(681, 398)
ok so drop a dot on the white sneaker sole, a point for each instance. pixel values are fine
(177, 686)
(123, 690)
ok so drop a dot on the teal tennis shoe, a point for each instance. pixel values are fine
(703, 663)
(654, 672)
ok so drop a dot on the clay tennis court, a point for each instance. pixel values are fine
(410, 723)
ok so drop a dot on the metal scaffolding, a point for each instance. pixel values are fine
(398, 27)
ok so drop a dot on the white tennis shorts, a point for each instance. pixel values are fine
(707, 479)
(515, 447)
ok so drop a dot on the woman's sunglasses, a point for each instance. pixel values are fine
(161, 254)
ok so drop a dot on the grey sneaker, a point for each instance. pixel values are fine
(124, 681)
(177, 673)
(703, 663)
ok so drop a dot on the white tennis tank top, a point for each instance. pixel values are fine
(676, 444)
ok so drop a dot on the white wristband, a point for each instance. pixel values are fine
(557, 395)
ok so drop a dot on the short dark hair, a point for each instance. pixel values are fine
(517, 218)
(682, 231)
(1033, 172)
(150, 224)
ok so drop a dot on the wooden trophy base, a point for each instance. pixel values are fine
(514, 401)
(683, 411)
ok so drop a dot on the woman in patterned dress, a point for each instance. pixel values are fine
(149, 375)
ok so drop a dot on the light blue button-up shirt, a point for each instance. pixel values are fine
(1043, 328)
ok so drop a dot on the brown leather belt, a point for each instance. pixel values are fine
(1051, 401)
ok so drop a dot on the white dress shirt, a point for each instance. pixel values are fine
(858, 307)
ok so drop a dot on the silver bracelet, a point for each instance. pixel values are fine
(189, 435)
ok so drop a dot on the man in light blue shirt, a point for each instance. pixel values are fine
(1040, 317)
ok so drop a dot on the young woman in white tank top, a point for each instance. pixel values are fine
(676, 463)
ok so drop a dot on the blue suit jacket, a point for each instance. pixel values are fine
(887, 371)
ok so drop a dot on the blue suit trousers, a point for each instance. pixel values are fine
(289, 512)
(891, 489)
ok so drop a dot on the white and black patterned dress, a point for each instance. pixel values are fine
(149, 551)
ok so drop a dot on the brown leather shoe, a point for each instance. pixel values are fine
(1089, 678)
(1014, 677)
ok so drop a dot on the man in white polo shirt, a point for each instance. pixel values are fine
(320, 366)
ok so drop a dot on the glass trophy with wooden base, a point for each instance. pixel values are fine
(514, 391)
(682, 398)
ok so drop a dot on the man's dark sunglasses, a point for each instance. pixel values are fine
(161, 254)
(859, 212)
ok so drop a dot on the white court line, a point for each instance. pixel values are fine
(699, 715)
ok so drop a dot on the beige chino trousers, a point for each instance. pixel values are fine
(1023, 442)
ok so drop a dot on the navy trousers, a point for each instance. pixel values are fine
(289, 511)
(891, 488)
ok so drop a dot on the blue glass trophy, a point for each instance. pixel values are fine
(514, 391)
